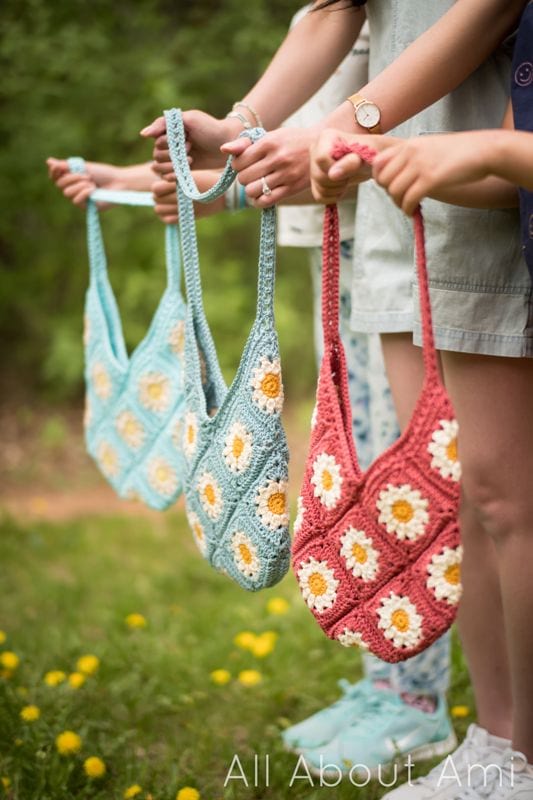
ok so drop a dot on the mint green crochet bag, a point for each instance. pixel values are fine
(233, 439)
(134, 404)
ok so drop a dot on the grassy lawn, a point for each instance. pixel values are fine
(152, 711)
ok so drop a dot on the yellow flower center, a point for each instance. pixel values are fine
(155, 390)
(162, 473)
(209, 494)
(402, 511)
(276, 503)
(246, 555)
(190, 434)
(453, 574)
(400, 620)
(237, 447)
(451, 450)
(318, 584)
(271, 384)
(327, 480)
(359, 553)
(130, 428)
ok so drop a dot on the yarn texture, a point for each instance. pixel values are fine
(233, 439)
(134, 404)
(377, 553)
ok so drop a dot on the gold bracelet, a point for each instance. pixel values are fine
(240, 117)
(252, 111)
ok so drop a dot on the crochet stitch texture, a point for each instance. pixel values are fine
(377, 553)
(134, 405)
(233, 439)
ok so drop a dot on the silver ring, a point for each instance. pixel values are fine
(265, 188)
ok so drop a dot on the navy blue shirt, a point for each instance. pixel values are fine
(522, 100)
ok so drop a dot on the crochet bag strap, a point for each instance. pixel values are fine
(431, 369)
(97, 256)
(189, 192)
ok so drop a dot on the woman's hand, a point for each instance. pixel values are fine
(204, 135)
(281, 157)
(166, 202)
(331, 179)
(78, 186)
(415, 168)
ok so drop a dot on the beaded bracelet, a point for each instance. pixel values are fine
(236, 115)
(253, 112)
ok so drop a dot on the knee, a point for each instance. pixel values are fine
(494, 500)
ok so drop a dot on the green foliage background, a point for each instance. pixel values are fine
(81, 77)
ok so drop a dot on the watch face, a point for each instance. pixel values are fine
(367, 114)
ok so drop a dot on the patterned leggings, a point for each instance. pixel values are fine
(375, 428)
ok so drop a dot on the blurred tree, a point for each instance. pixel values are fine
(82, 77)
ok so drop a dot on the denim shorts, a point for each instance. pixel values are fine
(481, 292)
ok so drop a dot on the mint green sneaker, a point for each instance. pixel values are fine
(384, 734)
(322, 727)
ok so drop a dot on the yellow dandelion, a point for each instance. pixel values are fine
(3, 637)
(460, 712)
(264, 644)
(9, 660)
(132, 791)
(277, 606)
(88, 664)
(6, 782)
(136, 621)
(245, 640)
(188, 793)
(76, 679)
(54, 677)
(94, 767)
(220, 677)
(30, 713)
(249, 677)
(68, 743)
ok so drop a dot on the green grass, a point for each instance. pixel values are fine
(151, 711)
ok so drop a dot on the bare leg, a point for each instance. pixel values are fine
(405, 371)
(493, 399)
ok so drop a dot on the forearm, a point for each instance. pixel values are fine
(292, 76)
(137, 177)
(491, 192)
(435, 63)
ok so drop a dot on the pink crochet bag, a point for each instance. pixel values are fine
(377, 553)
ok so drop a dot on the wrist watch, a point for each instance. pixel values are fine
(367, 113)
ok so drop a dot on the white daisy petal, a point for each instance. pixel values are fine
(197, 530)
(176, 338)
(318, 584)
(107, 458)
(130, 429)
(271, 504)
(399, 620)
(443, 448)
(349, 638)
(327, 480)
(210, 495)
(154, 391)
(300, 514)
(360, 556)
(267, 385)
(101, 381)
(403, 511)
(238, 448)
(245, 555)
(162, 477)
(445, 575)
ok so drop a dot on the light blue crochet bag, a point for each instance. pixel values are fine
(134, 404)
(233, 439)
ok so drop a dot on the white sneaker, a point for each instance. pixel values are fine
(511, 779)
(448, 779)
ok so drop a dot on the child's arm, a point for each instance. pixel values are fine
(478, 169)
(431, 67)
(78, 186)
(291, 78)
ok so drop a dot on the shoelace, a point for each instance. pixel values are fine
(495, 783)
(467, 753)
